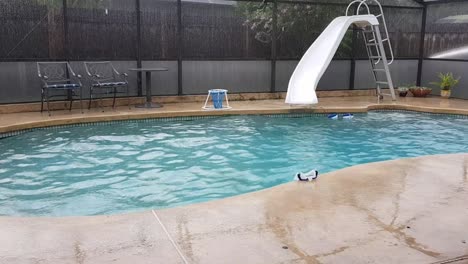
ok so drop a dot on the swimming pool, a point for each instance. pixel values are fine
(136, 165)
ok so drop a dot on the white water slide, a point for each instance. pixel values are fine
(312, 66)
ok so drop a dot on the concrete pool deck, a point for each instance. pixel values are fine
(403, 211)
(25, 120)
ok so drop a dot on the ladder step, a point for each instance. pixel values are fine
(371, 44)
(378, 15)
(381, 82)
(385, 39)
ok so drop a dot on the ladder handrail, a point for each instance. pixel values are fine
(378, 42)
(363, 2)
(359, 8)
(381, 57)
(358, 1)
(386, 31)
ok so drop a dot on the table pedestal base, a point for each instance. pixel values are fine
(149, 105)
(148, 71)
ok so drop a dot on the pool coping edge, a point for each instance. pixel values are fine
(74, 120)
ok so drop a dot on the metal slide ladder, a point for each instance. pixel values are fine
(375, 46)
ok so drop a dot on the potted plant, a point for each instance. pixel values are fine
(403, 91)
(446, 83)
(419, 91)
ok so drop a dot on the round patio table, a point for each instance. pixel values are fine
(149, 103)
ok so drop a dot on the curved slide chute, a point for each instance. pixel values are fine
(304, 80)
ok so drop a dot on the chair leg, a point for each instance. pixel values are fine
(42, 100)
(128, 97)
(81, 100)
(90, 97)
(115, 94)
(71, 92)
(47, 100)
(100, 102)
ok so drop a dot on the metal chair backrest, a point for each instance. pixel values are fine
(101, 71)
(55, 72)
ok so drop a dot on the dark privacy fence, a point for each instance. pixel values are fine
(247, 46)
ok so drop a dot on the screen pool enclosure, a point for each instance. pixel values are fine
(240, 46)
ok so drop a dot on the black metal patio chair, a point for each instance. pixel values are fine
(105, 80)
(59, 77)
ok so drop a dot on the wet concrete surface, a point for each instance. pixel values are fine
(129, 238)
(346, 104)
(404, 211)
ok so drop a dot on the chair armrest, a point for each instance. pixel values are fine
(94, 77)
(43, 77)
(76, 78)
(123, 76)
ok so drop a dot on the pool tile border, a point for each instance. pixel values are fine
(198, 117)
(460, 116)
(145, 120)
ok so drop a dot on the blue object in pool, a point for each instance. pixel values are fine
(218, 97)
(333, 116)
(138, 165)
(348, 116)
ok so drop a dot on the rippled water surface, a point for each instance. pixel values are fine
(132, 166)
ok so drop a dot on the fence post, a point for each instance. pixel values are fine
(352, 72)
(180, 40)
(66, 42)
(138, 47)
(421, 45)
(65, 31)
(273, 47)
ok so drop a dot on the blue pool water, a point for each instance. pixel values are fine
(131, 166)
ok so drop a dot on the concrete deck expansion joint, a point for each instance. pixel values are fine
(176, 246)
